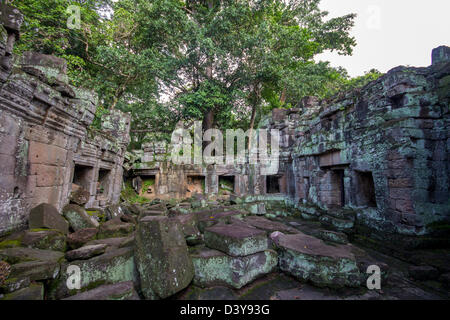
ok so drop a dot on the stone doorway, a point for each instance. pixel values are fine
(226, 185)
(195, 184)
(273, 184)
(365, 190)
(148, 189)
(83, 176)
(103, 183)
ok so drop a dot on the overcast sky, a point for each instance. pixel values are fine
(390, 33)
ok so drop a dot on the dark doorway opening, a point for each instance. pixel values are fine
(272, 184)
(365, 190)
(338, 189)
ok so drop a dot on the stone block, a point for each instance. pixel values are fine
(236, 239)
(85, 252)
(215, 268)
(78, 218)
(46, 216)
(162, 257)
(109, 268)
(308, 258)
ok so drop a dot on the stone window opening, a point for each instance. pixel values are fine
(104, 177)
(226, 185)
(83, 176)
(365, 190)
(195, 184)
(273, 184)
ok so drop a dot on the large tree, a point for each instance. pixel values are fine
(224, 62)
(234, 53)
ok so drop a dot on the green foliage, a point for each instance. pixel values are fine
(171, 60)
(129, 195)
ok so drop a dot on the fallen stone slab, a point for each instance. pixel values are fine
(117, 291)
(236, 239)
(17, 255)
(108, 268)
(268, 225)
(46, 216)
(215, 268)
(86, 252)
(310, 259)
(33, 292)
(78, 218)
(114, 243)
(44, 239)
(35, 270)
(114, 228)
(162, 257)
(81, 237)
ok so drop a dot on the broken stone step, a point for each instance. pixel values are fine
(310, 259)
(117, 291)
(108, 268)
(86, 252)
(236, 239)
(215, 268)
(336, 223)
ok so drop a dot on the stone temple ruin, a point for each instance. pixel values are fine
(363, 181)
